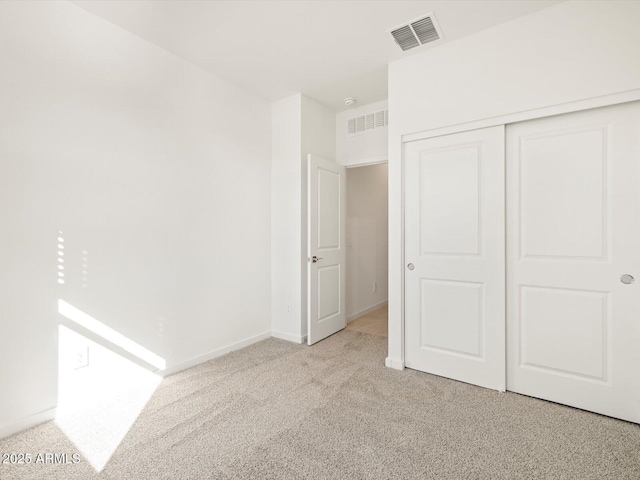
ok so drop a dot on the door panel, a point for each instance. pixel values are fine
(328, 183)
(550, 317)
(573, 216)
(451, 316)
(449, 182)
(328, 292)
(571, 168)
(454, 239)
(326, 249)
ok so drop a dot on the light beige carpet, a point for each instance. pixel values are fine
(333, 411)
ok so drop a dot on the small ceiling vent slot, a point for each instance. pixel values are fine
(425, 30)
(418, 32)
(366, 123)
(369, 121)
(351, 126)
(405, 38)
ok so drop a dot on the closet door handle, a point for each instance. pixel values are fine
(627, 279)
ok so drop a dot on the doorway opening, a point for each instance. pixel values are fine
(367, 225)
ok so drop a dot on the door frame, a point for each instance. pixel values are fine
(370, 161)
(396, 262)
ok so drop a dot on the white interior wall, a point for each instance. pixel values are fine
(566, 53)
(367, 233)
(160, 171)
(318, 138)
(318, 130)
(286, 218)
(300, 126)
(363, 148)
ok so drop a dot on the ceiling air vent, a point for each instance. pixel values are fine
(405, 38)
(418, 32)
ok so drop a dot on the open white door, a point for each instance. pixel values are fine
(326, 248)
(454, 254)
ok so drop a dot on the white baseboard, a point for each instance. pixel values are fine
(362, 313)
(393, 363)
(213, 354)
(290, 337)
(28, 422)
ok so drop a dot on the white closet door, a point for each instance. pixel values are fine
(573, 234)
(454, 255)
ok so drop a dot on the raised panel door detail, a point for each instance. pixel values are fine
(326, 252)
(454, 241)
(328, 209)
(573, 230)
(451, 316)
(328, 292)
(563, 194)
(450, 203)
(564, 331)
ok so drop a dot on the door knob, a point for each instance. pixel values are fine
(315, 259)
(627, 279)
(411, 266)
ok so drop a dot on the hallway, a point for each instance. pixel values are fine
(373, 323)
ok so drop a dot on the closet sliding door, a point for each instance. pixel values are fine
(454, 255)
(573, 250)
(572, 258)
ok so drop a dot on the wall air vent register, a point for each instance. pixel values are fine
(367, 123)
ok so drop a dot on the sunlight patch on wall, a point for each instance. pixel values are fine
(109, 334)
(60, 258)
(102, 385)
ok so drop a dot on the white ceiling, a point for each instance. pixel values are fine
(326, 49)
